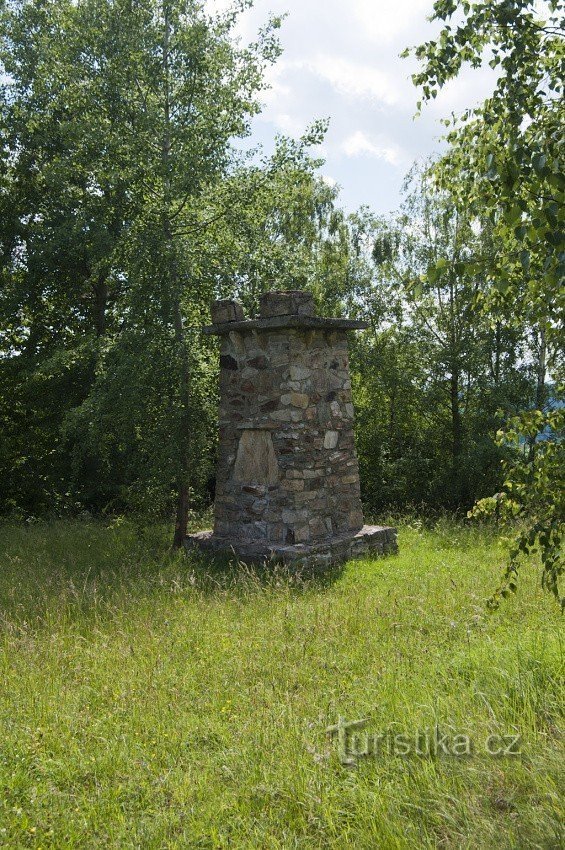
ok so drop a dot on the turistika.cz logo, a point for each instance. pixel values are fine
(355, 741)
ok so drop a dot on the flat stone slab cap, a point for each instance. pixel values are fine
(279, 322)
(286, 303)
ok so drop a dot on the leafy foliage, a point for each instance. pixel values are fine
(128, 209)
(533, 498)
(430, 385)
(505, 162)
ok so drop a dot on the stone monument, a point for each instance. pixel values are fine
(287, 484)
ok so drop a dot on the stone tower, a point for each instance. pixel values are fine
(287, 484)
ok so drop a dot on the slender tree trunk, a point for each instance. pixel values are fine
(183, 362)
(183, 500)
(101, 301)
(392, 417)
(456, 435)
(541, 367)
(455, 404)
(497, 354)
(540, 384)
(456, 422)
(181, 519)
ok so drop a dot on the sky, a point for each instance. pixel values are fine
(341, 61)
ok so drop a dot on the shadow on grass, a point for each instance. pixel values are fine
(228, 572)
(77, 567)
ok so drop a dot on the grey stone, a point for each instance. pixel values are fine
(258, 362)
(286, 303)
(330, 439)
(256, 460)
(281, 415)
(294, 484)
(226, 311)
(299, 373)
(299, 400)
(302, 534)
(335, 408)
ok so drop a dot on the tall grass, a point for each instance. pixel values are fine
(157, 701)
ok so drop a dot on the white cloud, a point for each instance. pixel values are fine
(464, 91)
(385, 20)
(352, 79)
(287, 124)
(359, 144)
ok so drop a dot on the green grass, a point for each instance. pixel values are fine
(147, 704)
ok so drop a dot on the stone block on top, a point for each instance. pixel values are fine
(227, 310)
(286, 303)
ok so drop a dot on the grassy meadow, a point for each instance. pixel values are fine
(149, 701)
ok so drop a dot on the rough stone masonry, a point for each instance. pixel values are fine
(287, 484)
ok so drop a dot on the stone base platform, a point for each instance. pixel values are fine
(371, 539)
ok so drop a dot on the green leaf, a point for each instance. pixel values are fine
(520, 232)
(539, 161)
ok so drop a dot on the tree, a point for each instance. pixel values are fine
(120, 436)
(129, 208)
(506, 160)
(433, 367)
(118, 121)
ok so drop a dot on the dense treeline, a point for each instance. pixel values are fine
(127, 205)
(435, 374)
